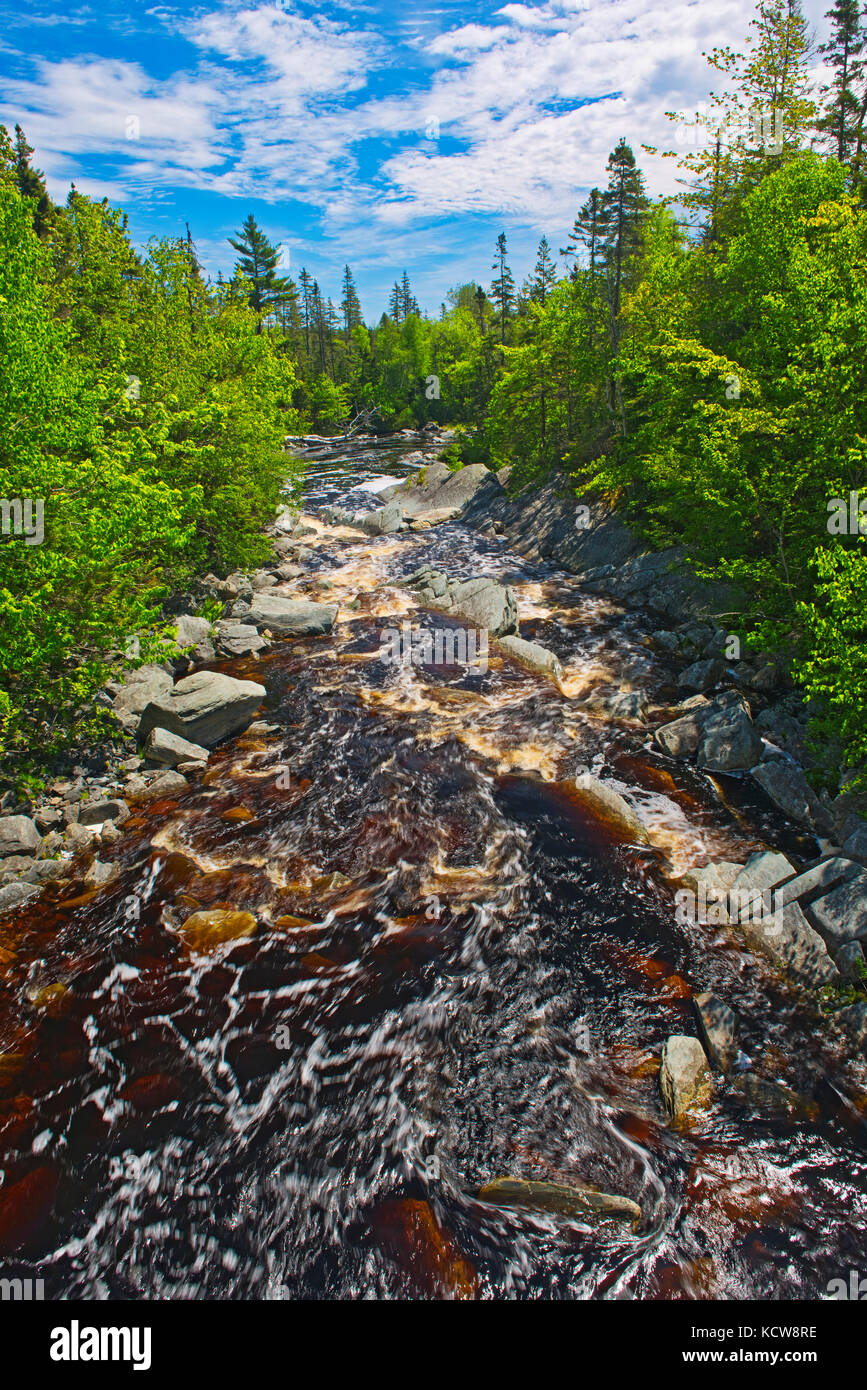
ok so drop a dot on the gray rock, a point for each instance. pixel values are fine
(161, 746)
(16, 894)
(46, 817)
(18, 835)
(196, 633)
(287, 617)
(187, 768)
(788, 941)
(140, 688)
(849, 960)
(16, 864)
(100, 874)
(204, 708)
(77, 836)
(45, 870)
(262, 579)
(771, 1097)
(164, 785)
(383, 522)
(718, 1026)
(98, 812)
(680, 738)
(238, 639)
(855, 845)
(702, 675)
(729, 742)
(789, 789)
(533, 655)
(683, 1078)
(626, 704)
(841, 915)
(486, 604)
(854, 1020)
(822, 876)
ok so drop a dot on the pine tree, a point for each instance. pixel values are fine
(408, 301)
(31, 185)
(544, 274)
(588, 231)
(395, 303)
(842, 120)
(623, 206)
(317, 309)
(503, 285)
(350, 305)
(257, 262)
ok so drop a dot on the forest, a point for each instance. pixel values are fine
(698, 360)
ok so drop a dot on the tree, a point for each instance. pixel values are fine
(350, 305)
(842, 120)
(503, 286)
(544, 274)
(257, 263)
(306, 283)
(31, 185)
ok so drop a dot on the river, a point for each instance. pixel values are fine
(471, 979)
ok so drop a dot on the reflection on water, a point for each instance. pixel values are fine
(416, 965)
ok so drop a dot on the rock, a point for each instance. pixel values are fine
(382, 522)
(238, 639)
(46, 817)
(161, 746)
(822, 876)
(288, 571)
(16, 894)
(607, 805)
(141, 687)
(437, 493)
(849, 960)
(486, 604)
(787, 940)
(77, 836)
(717, 879)
(854, 1020)
(204, 707)
(553, 1197)
(18, 835)
(16, 864)
(729, 742)
(771, 1097)
(205, 931)
(627, 704)
(164, 786)
(789, 789)
(762, 871)
(680, 738)
(287, 617)
(718, 1027)
(263, 580)
(45, 870)
(109, 834)
(783, 729)
(196, 633)
(262, 726)
(187, 768)
(841, 915)
(98, 812)
(683, 1077)
(532, 655)
(702, 675)
(855, 845)
(100, 874)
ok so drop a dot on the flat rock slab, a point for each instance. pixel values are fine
(790, 791)
(533, 655)
(162, 746)
(558, 1198)
(287, 617)
(841, 915)
(787, 940)
(204, 708)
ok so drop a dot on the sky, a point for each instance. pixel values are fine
(390, 136)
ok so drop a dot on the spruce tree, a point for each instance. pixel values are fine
(306, 285)
(350, 305)
(623, 206)
(503, 285)
(842, 119)
(395, 303)
(257, 263)
(31, 185)
(544, 274)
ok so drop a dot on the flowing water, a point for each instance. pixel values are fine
(456, 975)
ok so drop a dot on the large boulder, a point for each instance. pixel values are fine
(841, 915)
(238, 639)
(729, 742)
(788, 941)
(789, 789)
(100, 812)
(142, 686)
(204, 708)
(18, 835)
(287, 617)
(438, 493)
(702, 675)
(384, 521)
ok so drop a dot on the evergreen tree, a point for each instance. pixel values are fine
(503, 286)
(623, 206)
(408, 301)
(257, 262)
(350, 305)
(395, 303)
(842, 120)
(544, 273)
(306, 285)
(31, 185)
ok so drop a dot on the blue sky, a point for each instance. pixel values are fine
(388, 135)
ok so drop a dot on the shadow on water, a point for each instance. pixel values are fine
(449, 973)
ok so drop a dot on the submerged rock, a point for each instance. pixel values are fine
(558, 1198)
(608, 805)
(533, 655)
(718, 1026)
(207, 930)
